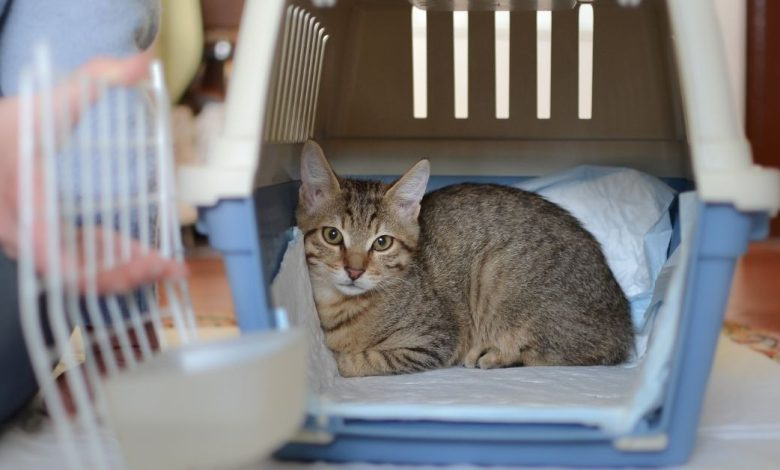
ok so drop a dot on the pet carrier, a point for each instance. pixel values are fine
(489, 91)
(104, 186)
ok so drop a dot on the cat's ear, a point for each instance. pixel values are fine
(406, 193)
(318, 182)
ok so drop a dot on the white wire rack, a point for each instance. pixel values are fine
(92, 197)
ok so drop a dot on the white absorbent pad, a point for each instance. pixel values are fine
(611, 398)
(628, 213)
(740, 425)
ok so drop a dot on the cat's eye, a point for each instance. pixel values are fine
(332, 235)
(382, 243)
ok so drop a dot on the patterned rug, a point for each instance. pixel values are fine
(765, 342)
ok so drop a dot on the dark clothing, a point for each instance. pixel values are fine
(17, 382)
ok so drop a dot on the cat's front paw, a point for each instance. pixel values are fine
(347, 365)
(484, 359)
(490, 360)
(472, 357)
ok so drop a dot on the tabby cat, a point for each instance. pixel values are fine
(474, 274)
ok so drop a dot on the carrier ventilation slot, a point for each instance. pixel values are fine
(460, 38)
(297, 84)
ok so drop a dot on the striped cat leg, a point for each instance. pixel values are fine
(388, 361)
(510, 349)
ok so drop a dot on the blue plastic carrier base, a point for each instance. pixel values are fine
(253, 234)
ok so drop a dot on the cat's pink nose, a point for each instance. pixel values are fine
(354, 273)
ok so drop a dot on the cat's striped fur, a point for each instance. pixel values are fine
(480, 275)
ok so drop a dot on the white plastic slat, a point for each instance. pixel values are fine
(320, 60)
(107, 212)
(127, 206)
(282, 77)
(295, 51)
(314, 85)
(502, 36)
(460, 38)
(308, 78)
(586, 28)
(86, 140)
(144, 232)
(543, 63)
(170, 242)
(297, 78)
(300, 79)
(420, 63)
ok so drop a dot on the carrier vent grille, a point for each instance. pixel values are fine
(502, 37)
(297, 79)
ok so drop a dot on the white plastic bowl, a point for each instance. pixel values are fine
(212, 405)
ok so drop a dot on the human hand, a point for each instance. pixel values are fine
(144, 266)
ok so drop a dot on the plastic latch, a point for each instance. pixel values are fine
(749, 189)
(650, 443)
